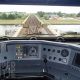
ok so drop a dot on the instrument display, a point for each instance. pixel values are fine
(27, 51)
(64, 52)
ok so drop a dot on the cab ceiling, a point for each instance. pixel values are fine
(42, 2)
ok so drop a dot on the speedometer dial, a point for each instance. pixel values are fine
(64, 52)
(32, 51)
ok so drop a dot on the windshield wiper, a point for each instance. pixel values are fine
(4, 38)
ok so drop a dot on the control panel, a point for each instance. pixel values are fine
(38, 56)
(37, 49)
(56, 54)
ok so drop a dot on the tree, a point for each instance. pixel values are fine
(78, 15)
(4, 16)
(40, 13)
(46, 17)
(60, 14)
(11, 16)
(72, 15)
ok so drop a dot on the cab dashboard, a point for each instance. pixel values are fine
(28, 56)
(38, 49)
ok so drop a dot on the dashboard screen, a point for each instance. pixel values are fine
(27, 51)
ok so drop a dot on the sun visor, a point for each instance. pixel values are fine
(43, 2)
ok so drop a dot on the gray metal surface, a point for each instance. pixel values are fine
(23, 58)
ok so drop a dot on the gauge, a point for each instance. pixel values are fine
(64, 52)
(32, 51)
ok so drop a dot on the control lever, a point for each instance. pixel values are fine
(45, 62)
(47, 74)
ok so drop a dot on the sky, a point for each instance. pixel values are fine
(36, 8)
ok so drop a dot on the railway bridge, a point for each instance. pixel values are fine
(33, 26)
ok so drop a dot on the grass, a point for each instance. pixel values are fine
(49, 22)
(60, 21)
(16, 21)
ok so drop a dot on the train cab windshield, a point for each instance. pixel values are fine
(36, 42)
(39, 20)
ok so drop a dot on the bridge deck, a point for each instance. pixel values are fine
(33, 25)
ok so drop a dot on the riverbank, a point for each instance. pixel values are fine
(61, 21)
(9, 30)
(49, 22)
(11, 22)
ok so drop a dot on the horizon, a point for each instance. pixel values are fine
(36, 8)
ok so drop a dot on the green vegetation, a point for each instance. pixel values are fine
(41, 14)
(12, 15)
(60, 21)
(59, 18)
(16, 21)
(46, 18)
(59, 14)
(78, 15)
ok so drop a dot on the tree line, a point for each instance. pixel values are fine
(13, 15)
(60, 14)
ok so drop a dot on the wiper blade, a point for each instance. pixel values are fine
(5, 38)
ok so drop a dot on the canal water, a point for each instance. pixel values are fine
(9, 30)
(65, 28)
(60, 29)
